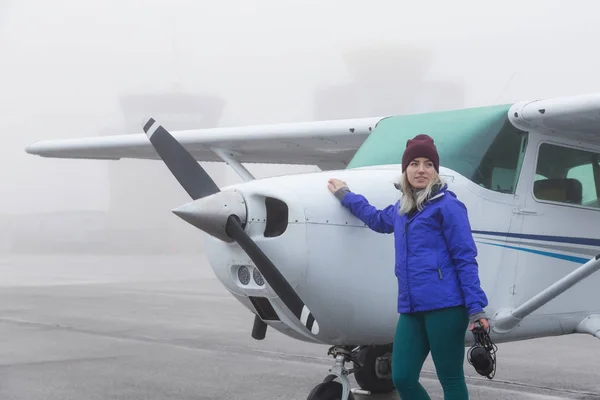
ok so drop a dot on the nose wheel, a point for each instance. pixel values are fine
(371, 368)
(330, 389)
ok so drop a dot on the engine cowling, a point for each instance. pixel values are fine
(323, 251)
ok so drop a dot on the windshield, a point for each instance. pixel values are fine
(478, 143)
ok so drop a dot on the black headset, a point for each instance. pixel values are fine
(482, 355)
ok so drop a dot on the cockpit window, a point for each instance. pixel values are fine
(478, 143)
(567, 175)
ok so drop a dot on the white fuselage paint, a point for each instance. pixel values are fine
(344, 272)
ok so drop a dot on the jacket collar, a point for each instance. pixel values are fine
(436, 193)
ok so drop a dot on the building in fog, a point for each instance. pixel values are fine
(143, 192)
(387, 81)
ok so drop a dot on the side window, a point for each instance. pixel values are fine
(567, 175)
(503, 179)
(585, 174)
(500, 167)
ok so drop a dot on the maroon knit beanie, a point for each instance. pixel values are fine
(420, 146)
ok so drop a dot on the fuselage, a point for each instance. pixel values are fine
(344, 272)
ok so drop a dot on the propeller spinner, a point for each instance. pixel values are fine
(222, 215)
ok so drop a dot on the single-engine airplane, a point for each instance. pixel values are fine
(528, 172)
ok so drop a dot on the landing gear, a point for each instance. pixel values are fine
(329, 389)
(372, 367)
(375, 375)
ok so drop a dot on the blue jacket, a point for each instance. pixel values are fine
(435, 252)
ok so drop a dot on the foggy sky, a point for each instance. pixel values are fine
(65, 63)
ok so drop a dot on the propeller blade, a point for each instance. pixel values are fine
(198, 184)
(271, 274)
(190, 175)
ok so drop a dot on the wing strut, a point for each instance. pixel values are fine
(506, 320)
(590, 325)
(230, 160)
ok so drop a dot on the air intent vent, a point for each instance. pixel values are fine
(277, 217)
(264, 308)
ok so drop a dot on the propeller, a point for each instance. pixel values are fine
(194, 179)
(198, 184)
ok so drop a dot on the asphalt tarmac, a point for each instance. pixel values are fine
(83, 327)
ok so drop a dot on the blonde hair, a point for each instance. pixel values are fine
(415, 198)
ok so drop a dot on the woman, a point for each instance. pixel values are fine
(439, 291)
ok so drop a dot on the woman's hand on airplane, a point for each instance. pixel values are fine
(484, 323)
(335, 185)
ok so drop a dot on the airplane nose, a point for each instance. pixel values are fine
(210, 213)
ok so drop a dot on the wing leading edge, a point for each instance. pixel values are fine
(575, 116)
(328, 144)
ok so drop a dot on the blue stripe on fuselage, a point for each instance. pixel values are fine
(565, 257)
(545, 238)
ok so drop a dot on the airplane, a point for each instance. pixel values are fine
(284, 247)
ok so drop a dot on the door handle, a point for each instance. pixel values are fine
(525, 211)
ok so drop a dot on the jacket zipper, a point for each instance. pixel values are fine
(408, 219)
(407, 279)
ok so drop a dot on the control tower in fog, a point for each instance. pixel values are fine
(143, 192)
(387, 80)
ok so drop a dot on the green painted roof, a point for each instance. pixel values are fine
(462, 137)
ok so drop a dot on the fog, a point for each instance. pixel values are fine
(68, 68)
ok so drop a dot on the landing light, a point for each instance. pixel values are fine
(258, 277)
(244, 275)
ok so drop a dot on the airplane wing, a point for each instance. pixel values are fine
(575, 116)
(327, 144)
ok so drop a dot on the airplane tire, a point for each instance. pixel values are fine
(367, 377)
(328, 391)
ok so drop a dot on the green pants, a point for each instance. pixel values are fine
(443, 333)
